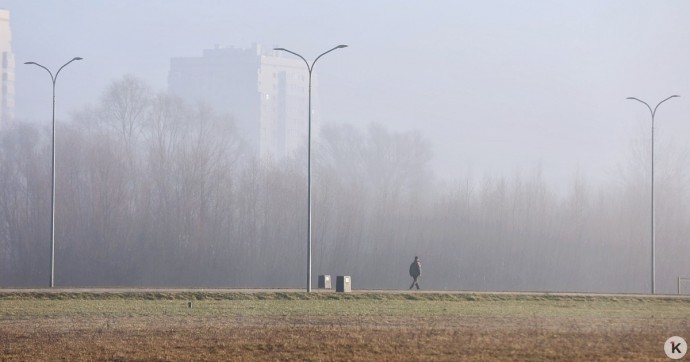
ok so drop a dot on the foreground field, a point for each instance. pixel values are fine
(330, 326)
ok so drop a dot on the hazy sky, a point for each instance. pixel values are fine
(497, 86)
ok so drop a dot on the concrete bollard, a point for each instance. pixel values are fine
(324, 282)
(343, 284)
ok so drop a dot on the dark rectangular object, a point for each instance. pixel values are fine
(324, 282)
(343, 284)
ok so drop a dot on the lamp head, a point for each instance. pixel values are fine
(77, 58)
(341, 46)
(675, 96)
(279, 49)
(29, 62)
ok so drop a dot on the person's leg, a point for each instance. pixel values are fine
(414, 282)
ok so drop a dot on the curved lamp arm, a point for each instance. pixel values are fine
(657, 106)
(326, 52)
(653, 112)
(54, 78)
(47, 70)
(291, 52)
(311, 67)
(73, 59)
(643, 102)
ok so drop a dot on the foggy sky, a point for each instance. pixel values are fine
(497, 86)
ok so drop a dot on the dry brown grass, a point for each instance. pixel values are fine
(327, 327)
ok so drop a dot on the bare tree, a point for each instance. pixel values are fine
(24, 201)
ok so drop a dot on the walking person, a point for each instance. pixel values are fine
(415, 271)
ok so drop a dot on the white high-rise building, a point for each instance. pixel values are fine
(284, 88)
(7, 70)
(265, 92)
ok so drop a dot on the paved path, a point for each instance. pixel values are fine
(284, 290)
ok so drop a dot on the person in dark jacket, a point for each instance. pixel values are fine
(415, 271)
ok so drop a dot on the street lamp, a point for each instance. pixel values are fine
(653, 221)
(309, 68)
(52, 193)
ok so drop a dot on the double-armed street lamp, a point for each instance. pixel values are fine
(653, 221)
(52, 193)
(310, 68)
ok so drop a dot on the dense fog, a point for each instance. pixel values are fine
(154, 191)
(492, 139)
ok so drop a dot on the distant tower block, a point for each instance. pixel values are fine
(324, 282)
(343, 284)
(265, 92)
(6, 71)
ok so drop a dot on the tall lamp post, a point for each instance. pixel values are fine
(653, 221)
(309, 68)
(52, 193)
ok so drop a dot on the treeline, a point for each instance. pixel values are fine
(153, 191)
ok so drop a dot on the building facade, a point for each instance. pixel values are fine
(265, 92)
(7, 71)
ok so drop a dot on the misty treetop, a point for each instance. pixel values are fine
(155, 191)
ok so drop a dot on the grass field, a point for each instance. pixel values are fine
(334, 326)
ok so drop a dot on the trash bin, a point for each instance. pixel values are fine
(324, 282)
(343, 284)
